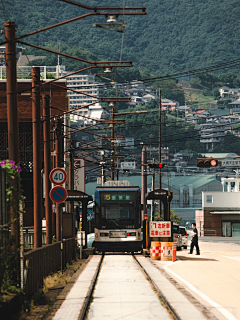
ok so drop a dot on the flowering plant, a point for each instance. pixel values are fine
(14, 192)
(14, 197)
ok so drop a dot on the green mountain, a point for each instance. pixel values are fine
(175, 35)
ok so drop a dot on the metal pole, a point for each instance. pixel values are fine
(13, 126)
(36, 125)
(47, 167)
(58, 149)
(159, 149)
(144, 182)
(84, 220)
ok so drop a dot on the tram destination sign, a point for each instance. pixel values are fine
(117, 197)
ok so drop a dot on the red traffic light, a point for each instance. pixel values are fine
(207, 163)
(156, 165)
(214, 163)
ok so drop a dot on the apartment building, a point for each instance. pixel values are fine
(85, 84)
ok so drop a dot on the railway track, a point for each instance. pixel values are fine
(120, 279)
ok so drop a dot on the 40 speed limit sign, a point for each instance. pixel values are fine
(58, 176)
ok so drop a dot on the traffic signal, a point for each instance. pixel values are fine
(207, 163)
(156, 165)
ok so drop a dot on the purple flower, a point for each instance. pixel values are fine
(13, 166)
(19, 169)
(11, 162)
(3, 163)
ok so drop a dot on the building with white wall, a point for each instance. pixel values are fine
(220, 214)
(85, 84)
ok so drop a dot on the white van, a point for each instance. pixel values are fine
(184, 236)
(177, 236)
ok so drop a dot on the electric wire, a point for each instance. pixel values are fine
(5, 10)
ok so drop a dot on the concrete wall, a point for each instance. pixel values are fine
(221, 201)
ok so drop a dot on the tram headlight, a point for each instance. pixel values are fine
(131, 234)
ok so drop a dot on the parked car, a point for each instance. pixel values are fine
(177, 236)
(184, 236)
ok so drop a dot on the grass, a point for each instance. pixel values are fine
(198, 100)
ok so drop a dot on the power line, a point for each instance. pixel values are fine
(5, 10)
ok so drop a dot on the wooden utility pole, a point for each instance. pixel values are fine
(13, 127)
(159, 149)
(36, 131)
(47, 167)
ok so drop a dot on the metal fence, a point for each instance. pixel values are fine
(28, 237)
(39, 263)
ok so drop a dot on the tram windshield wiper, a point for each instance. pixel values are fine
(114, 222)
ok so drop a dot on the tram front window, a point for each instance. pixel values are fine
(114, 216)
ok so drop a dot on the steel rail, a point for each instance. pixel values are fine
(175, 315)
(90, 292)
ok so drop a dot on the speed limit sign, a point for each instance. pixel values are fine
(58, 176)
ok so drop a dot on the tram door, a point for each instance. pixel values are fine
(226, 229)
(236, 229)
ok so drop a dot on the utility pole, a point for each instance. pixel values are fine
(36, 131)
(144, 182)
(112, 141)
(153, 188)
(159, 149)
(47, 167)
(13, 126)
(58, 151)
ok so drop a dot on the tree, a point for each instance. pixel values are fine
(173, 217)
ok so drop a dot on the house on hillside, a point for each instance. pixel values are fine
(224, 92)
(148, 97)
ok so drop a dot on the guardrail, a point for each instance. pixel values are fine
(39, 263)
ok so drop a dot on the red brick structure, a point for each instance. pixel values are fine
(58, 104)
(208, 224)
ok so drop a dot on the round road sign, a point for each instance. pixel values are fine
(58, 194)
(58, 176)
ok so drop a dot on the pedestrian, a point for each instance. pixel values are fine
(194, 241)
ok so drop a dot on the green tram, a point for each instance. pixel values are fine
(118, 219)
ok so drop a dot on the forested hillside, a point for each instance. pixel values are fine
(175, 35)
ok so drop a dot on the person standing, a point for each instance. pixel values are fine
(194, 241)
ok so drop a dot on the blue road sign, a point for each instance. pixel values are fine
(58, 194)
